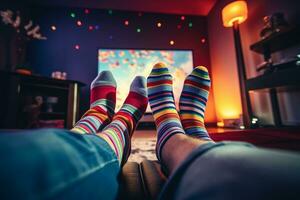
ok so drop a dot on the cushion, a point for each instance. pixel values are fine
(141, 181)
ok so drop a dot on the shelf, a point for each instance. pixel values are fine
(41, 79)
(279, 78)
(277, 41)
(44, 86)
(53, 113)
(52, 116)
(18, 94)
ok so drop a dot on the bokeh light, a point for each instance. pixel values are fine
(86, 11)
(79, 23)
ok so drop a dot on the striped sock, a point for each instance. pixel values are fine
(192, 103)
(161, 99)
(103, 100)
(118, 133)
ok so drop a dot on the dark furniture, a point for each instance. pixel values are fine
(278, 75)
(141, 181)
(29, 101)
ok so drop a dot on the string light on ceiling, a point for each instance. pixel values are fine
(79, 23)
(53, 28)
(77, 47)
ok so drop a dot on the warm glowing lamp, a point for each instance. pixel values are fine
(235, 12)
(233, 15)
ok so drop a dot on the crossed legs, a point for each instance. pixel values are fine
(115, 129)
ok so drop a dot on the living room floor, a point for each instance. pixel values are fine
(144, 141)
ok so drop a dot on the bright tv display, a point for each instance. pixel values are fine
(125, 64)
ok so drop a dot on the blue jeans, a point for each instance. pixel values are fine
(59, 164)
(235, 171)
(56, 164)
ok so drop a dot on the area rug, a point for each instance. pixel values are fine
(286, 139)
(142, 148)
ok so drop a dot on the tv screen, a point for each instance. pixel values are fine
(125, 64)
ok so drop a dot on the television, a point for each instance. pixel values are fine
(125, 64)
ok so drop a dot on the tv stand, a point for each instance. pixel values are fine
(30, 101)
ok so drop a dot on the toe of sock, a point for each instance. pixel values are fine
(104, 78)
(202, 68)
(159, 69)
(159, 65)
(138, 85)
(201, 72)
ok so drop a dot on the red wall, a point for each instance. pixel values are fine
(224, 69)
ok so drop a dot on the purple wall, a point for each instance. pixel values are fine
(58, 52)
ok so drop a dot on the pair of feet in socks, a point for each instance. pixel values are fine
(118, 128)
(100, 119)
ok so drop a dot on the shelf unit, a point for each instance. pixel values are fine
(285, 77)
(277, 41)
(19, 107)
(281, 75)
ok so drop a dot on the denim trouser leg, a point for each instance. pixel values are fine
(235, 171)
(56, 164)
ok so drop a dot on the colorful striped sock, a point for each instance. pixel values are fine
(103, 100)
(192, 103)
(118, 133)
(161, 99)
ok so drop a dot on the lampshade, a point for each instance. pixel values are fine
(235, 11)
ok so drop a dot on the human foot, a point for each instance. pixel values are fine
(103, 100)
(193, 101)
(118, 133)
(161, 99)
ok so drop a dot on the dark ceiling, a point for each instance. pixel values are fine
(186, 7)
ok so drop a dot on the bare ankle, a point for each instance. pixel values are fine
(177, 149)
